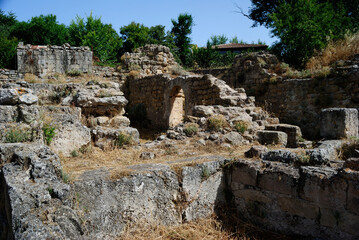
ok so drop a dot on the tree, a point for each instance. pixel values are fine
(218, 39)
(6, 22)
(181, 30)
(44, 30)
(100, 37)
(7, 44)
(234, 40)
(303, 26)
(261, 10)
(134, 35)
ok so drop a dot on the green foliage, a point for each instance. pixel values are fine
(17, 135)
(190, 129)
(65, 176)
(218, 39)
(216, 123)
(303, 26)
(100, 37)
(74, 153)
(6, 22)
(136, 35)
(74, 73)
(42, 30)
(49, 132)
(8, 52)
(123, 139)
(209, 57)
(205, 173)
(181, 30)
(240, 126)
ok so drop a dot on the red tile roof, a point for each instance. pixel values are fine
(239, 45)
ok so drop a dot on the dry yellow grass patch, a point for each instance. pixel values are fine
(209, 229)
(229, 228)
(337, 50)
(118, 159)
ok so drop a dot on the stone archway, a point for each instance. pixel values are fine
(177, 108)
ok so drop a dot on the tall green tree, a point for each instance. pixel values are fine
(305, 25)
(44, 30)
(7, 44)
(218, 39)
(182, 28)
(134, 35)
(261, 10)
(100, 37)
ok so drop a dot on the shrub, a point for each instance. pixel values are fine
(123, 139)
(190, 129)
(49, 133)
(335, 50)
(17, 135)
(240, 126)
(74, 153)
(349, 150)
(74, 73)
(216, 123)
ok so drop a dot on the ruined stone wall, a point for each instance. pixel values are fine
(299, 101)
(43, 60)
(155, 92)
(149, 60)
(319, 202)
(294, 101)
(8, 75)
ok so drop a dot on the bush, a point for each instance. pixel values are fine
(49, 133)
(17, 135)
(190, 129)
(240, 126)
(74, 73)
(216, 123)
(123, 139)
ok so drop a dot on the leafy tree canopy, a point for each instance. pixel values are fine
(182, 28)
(100, 37)
(43, 30)
(304, 26)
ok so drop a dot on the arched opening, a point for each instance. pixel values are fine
(177, 101)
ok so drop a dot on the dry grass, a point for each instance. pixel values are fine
(229, 227)
(117, 160)
(209, 229)
(338, 50)
(31, 78)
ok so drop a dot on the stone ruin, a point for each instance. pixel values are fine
(297, 188)
(45, 60)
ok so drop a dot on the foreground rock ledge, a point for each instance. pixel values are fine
(318, 202)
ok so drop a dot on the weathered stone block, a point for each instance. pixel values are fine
(293, 132)
(279, 178)
(298, 207)
(244, 172)
(255, 151)
(266, 137)
(323, 186)
(336, 123)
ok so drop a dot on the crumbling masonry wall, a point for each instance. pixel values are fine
(154, 92)
(43, 60)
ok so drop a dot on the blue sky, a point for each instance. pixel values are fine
(211, 17)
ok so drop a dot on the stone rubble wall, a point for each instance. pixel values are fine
(43, 60)
(149, 60)
(9, 75)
